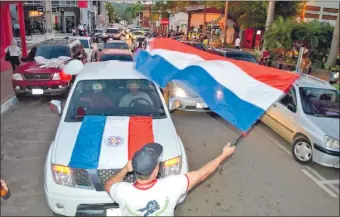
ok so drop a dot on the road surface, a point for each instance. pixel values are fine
(261, 178)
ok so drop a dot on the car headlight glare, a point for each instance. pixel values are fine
(332, 142)
(179, 92)
(17, 77)
(171, 166)
(56, 76)
(62, 175)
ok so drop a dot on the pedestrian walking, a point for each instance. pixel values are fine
(150, 196)
(12, 54)
(237, 42)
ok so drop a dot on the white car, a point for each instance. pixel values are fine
(90, 48)
(72, 187)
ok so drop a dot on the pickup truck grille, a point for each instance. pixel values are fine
(105, 174)
(38, 76)
(82, 178)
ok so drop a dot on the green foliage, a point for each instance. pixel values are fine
(254, 13)
(279, 34)
(110, 11)
(130, 12)
(317, 35)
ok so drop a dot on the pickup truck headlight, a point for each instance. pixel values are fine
(62, 175)
(171, 166)
(179, 92)
(331, 142)
(17, 77)
(56, 76)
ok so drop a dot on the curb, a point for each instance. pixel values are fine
(8, 104)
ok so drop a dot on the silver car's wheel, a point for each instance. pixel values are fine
(302, 150)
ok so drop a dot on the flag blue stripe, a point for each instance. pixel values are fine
(238, 112)
(86, 151)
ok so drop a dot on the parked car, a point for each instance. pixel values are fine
(188, 99)
(115, 54)
(74, 191)
(113, 44)
(234, 54)
(308, 118)
(29, 79)
(89, 47)
(196, 44)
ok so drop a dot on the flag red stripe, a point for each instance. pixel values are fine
(140, 133)
(273, 77)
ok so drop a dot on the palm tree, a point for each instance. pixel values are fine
(270, 18)
(279, 34)
(335, 44)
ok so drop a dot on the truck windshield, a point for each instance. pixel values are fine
(320, 102)
(51, 52)
(115, 97)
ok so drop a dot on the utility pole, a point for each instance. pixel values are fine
(270, 18)
(226, 22)
(48, 20)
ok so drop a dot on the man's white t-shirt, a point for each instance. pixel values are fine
(128, 98)
(159, 199)
(237, 42)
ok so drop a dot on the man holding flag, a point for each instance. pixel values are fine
(238, 91)
(150, 196)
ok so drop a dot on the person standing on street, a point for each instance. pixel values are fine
(237, 42)
(150, 196)
(12, 54)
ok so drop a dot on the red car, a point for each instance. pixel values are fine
(30, 79)
(115, 54)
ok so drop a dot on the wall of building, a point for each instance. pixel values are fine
(179, 21)
(326, 11)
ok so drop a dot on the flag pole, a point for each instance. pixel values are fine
(243, 134)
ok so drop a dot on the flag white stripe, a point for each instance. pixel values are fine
(226, 73)
(111, 154)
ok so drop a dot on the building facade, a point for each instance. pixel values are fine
(325, 11)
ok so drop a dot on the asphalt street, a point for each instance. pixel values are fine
(261, 178)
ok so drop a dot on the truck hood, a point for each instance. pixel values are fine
(330, 126)
(114, 157)
(33, 67)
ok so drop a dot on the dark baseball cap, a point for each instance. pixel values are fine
(146, 159)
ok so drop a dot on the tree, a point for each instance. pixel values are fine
(279, 34)
(110, 11)
(335, 44)
(132, 11)
(315, 35)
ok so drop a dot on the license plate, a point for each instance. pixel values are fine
(37, 91)
(113, 212)
(201, 105)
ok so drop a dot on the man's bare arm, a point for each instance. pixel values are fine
(117, 177)
(195, 177)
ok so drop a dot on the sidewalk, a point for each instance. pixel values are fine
(6, 86)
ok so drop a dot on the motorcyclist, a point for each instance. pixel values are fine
(265, 55)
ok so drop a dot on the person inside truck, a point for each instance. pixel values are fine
(96, 98)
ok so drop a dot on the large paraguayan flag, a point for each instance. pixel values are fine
(238, 91)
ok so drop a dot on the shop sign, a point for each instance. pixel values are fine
(165, 21)
(54, 10)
